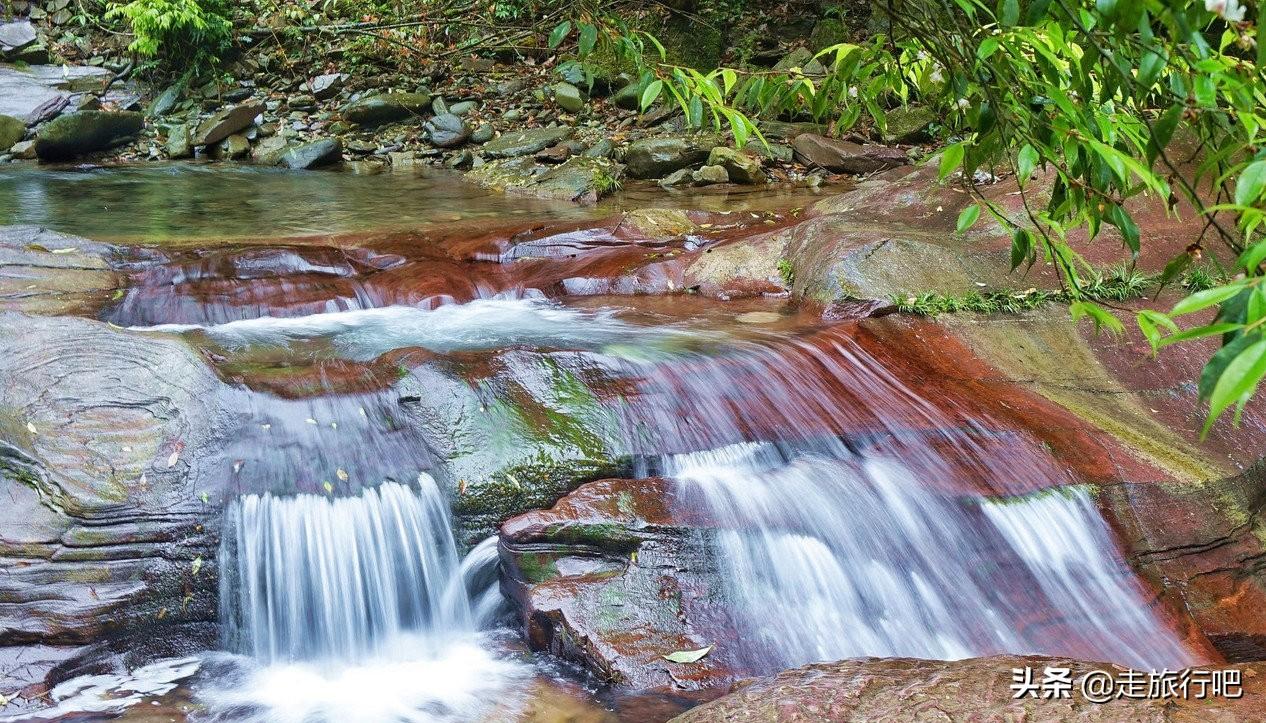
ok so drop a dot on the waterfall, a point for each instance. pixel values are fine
(309, 577)
(828, 558)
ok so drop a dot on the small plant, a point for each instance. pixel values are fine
(786, 272)
(1201, 279)
(178, 34)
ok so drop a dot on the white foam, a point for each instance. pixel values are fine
(366, 334)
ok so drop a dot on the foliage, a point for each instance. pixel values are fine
(1088, 106)
(840, 84)
(1120, 284)
(1102, 97)
(179, 34)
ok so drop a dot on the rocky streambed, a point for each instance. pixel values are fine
(675, 444)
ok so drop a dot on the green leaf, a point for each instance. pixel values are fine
(968, 217)
(588, 39)
(1163, 131)
(1205, 299)
(688, 656)
(1253, 257)
(951, 159)
(1009, 13)
(559, 32)
(1102, 318)
(1026, 162)
(1206, 91)
(1176, 266)
(1250, 184)
(1021, 247)
(1120, 218)
(1199, 332)
(1237, 382)
(651, 94)
(1150, 68)
(987, 48)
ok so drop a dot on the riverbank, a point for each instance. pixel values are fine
(526, 119)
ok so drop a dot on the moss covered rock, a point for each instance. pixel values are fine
(87, 131)
(12, 130)
(387, 108)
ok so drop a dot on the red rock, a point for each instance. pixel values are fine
(977, 689)
(845, 156)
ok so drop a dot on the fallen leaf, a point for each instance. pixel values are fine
(197, 565)
(31, 428)
(162, 613)
(329, 488)
(310, 420)
(204, 497)
(171, 461)
(341, 474)
(461, 486)
(688, 656)
(63, 251)
(3, 700)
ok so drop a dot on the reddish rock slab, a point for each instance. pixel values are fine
(609, 579)
(845, 156)
(976, 689)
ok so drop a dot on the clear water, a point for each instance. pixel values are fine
(857, 513)
(191, 202)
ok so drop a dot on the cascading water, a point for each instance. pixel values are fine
(307, 577)
(354, 608)
(831, 558)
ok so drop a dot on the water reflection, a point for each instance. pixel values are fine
(190, 201)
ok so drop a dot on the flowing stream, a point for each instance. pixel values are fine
(856, 513)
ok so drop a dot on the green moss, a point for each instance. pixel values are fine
(534, 485)
(537, 567)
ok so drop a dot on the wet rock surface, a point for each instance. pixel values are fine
(609, 579)
(108, 438)
(966, 690)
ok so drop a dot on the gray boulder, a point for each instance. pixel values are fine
(313, 155)
(386, 108)
(708, 175)
(447, 130)
(75, 134)
(269, 151)
(522, 143)
(909, 124)
(326, 86)
(569, 97)
(15, 36)
(225, 123)
(661, 155)
(740, 167)
(165, 101)
(178, 142)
